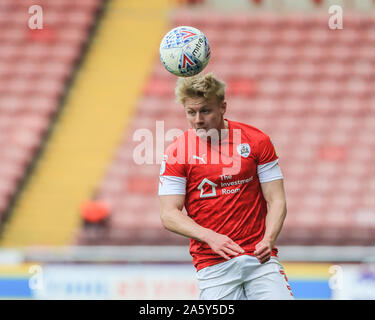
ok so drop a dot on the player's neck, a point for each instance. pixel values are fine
(226, 125)
(222, 131)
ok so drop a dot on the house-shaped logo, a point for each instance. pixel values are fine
(212, 185)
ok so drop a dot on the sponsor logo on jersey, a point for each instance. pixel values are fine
(230, 191)
(211, 184)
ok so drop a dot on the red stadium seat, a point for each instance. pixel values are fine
(159, 88)
(241, 87)
(11, 171)
(45, 35)
(144, 185)
(7, 187)
(10, 104)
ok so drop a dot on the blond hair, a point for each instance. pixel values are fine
(200, 86)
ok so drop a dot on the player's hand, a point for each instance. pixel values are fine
(223, 245)
(263, 251)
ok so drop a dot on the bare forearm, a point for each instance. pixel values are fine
(174, 220)
(275, 219)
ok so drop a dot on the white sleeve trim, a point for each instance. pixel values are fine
(269, 171)
(169, 185)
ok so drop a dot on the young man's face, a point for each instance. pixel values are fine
(205, 114)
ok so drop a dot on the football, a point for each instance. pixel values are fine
(185, 51)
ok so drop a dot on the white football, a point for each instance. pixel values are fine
(185, 51)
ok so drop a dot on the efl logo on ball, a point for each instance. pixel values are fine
(185, 51)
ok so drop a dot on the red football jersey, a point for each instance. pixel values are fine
(221, 183)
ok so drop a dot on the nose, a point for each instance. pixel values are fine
(198, 118)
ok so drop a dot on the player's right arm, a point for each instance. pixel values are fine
(173, 219)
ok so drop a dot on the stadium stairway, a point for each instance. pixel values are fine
(98, 107)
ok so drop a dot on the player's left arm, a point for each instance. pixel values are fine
(274, 194)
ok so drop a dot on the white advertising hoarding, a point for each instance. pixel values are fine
(354, 282)
(131, 281)
(177, 282)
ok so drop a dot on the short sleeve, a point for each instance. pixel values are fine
(268, 163)
(266, 151)
(172, 179)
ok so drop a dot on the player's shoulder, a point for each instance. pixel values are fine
(250, 132)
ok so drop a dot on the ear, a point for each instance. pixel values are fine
(223, 107)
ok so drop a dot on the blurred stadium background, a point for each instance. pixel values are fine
(80, 219)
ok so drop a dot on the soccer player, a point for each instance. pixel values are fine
(227, 177)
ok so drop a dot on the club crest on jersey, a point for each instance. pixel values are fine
(244, 150)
